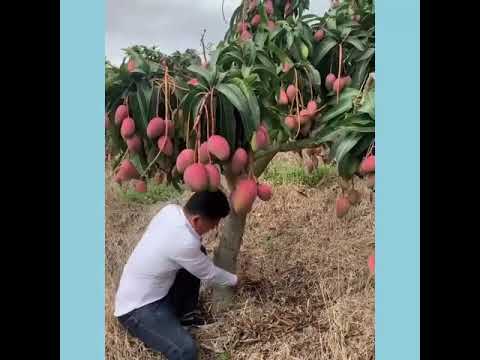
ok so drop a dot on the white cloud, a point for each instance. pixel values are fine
(170, 25)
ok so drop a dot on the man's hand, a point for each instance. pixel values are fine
(240, 282)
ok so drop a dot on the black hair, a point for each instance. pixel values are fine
(210, 204)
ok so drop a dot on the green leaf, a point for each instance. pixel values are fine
(231, 28)
(137, 162)
(327, 134)
(206, 75)
(143, 99)
(252, 52)
(307, 41)
(226, 124)
(359, 44)
(345, 146)
(348, 166)
(279, 53)
(252, 101)
(142, 66)
(269, 70)
(245, 71)
(235, 95)
(307, 17)
(260, 38)
(362, 146)
(360, 73)
(366, 55)
(265, 60)
(114, 132)
(231, 56)
(275, 33)
(322, 49)
(331, 23)
(197, 102)
(345, 32)
(362, 122)
(190, 105)
(345, 104)
(368, 105)
(289, 40)
(314, 75)
(360, 129)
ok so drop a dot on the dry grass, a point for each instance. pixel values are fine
(309, 294)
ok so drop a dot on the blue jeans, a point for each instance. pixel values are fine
(158, 324)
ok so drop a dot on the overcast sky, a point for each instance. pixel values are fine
(170, 25)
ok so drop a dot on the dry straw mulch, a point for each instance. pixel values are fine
(309, 294)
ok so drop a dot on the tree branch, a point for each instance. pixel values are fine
(202, 41)
(290, 146)
(261, 164)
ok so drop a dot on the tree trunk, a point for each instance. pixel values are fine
(226, 254)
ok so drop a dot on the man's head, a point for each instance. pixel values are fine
(205, 209)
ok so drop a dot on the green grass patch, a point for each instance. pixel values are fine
(223, 356)
(155, 193)
(283, 174)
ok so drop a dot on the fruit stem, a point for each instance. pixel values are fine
(119, 163)
(320, 108)
(166, 94)
(207, 118)
(339, 70)
(195, 152)
(370, 148)
(364, 82)
(296, 101)
(187, 133)
(158, 100)
(174, 86)
(212, 111)
(153, 161)
(126, 104)
(204, 99)
(311, 89)
(205, 108)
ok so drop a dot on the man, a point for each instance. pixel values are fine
(159, 287)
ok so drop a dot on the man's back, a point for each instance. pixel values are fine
(149, 271)
(169, 244)
(160, 284)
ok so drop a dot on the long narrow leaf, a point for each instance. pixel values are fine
(235, 95)
(359, 44)
(346, 145)
(366, 55)
(252, 101)
(322, 49)
(206, 75)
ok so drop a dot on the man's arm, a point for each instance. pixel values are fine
(200, 265)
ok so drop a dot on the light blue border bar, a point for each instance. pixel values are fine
(398, 180)
(82, 174)
(82, 34)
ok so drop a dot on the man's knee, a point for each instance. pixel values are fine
(190, 350)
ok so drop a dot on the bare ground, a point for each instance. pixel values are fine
(309, 295)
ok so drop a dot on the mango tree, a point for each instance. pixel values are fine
(281, 80)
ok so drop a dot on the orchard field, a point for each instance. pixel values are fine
(310, 295)
(281, 117)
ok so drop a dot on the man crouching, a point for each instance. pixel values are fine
(159, 288)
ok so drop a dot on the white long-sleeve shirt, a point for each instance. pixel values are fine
(169, 244)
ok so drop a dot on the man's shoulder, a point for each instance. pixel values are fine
(171, 221)
(170, 206)
(170, 211)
